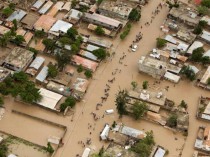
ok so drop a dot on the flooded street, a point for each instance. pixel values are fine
(78, 128)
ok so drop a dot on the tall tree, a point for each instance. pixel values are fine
(49, 44)
(18, 40)
(135, 15)
(139, 109)
(121, 101)
(72, 33)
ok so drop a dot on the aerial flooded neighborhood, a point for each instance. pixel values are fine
(104, 78)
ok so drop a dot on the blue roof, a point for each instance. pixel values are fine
(43, 74)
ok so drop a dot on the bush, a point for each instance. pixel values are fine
(135, 15)
(100, 53)
(39, 34)
(88, 74)
(70, 101)
(99, 30)
(197, 54)
(172, 120)
(160, 42)
(49, 148)
(125, 32)
(52, 71)
(188, 72)
(145, 84)
(33, 50)
(203, 10)
(7, 11)
(205, 3)
(80, 69)
(183, 104)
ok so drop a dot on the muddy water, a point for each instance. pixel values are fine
(78, 128)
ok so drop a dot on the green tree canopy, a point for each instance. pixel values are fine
(203, 10)
(64, 41)
(72, 33)
(99, 30)
(3, 150)
(39, 33)
(49, 43)
(15, 24)
(160, 42)
(7, 11)
(205, 3)
(88, 74)
(80, 68)
(188, 72)
(121, 101)
(208, 81)
(197, 54)
(63, 58)
(1, 101)
(100, 53)
(139, 109)
(52, 71)
(20, 77)
(172, 120)
(33, 50)
(183, 104)
(135, 15)
(18, 40)
(134, 84)
(145, 85)
(70, 101)
(205, 60)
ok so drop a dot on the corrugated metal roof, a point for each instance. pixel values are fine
(92, 47)
(46, 7)
(44, 22)
(38, 4)
(18, 15)
(60, 26)
(88, 55)
(43, 74)
(37, 63)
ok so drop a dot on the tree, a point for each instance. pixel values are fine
(7, 11)
(1, 101)
(39, 33)
(205, 3)
(134, 84)
(33, 50)
(145, 85)
(62, 58)
(203, 10)
(197, 54)
(135, 15)
(188, 72)
(72, 33)
(69, 102)
(198, 30)
(172, 120)
(74, 48)
(139, 109)
(5, 39)
(19, 39)
(205, 60)
(99, 2)
(49, 43)
(88, 74)
(52, 71)
(14, 24)
(49, 148)
(80, 68)
(3, 150)
(12, 6)
(3, 88)
(171, 5)
(100, 53)
(73, 3)
(160, 42)
(99, 30)
(64, 41)
(203, 23)
(144, 147)
(20, 77)
(183, 104)
(208, 81)
(125, 32)
(121, 101)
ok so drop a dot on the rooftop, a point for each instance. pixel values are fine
(186, 36)
(59, 88)
(60, 26)
(73, 13)
(206, 76)
(18, 15)
(54, 10)
(37, 63)
(88, 55)
(205, 35)
(37, 4)
(151, 62)
(45, 22)
(29, 20)
(80, 85)
(46, 7)
(99, 42)
(4, 73)
(3, 30)
(194, 46)
(41, 77)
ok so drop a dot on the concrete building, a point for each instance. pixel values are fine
(186, 36)
(104, 21)
(116, 9)
(152, 67)
(73, 16)
(18, 59)
(185, 15)
(202, 141)
(29, 20)
(204, 80)
(4, 73)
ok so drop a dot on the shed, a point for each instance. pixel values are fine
(105, 133)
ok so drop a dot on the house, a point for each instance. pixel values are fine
(17, 15)
(88, 55)
(54, 10)
(66, 6)
(60, 28)
(152, 67)
(202, 142)
(99, 42)
(37, 5)
(4, 73)
(49, 99)
(41, 77)
(29, 20)
(184, 14)
(103, 21)
(159, 152)
(204, 80)
(92, 27)
(88, 64)
(35, 66)
(205, 36)
(79, 88)
(207, 19)
(27, 35)
(46, 7)
(89, 47)
(203, 109)
(186, 36)
(3, 30)
(172, 77)
(116, 9)
(195, 45)
(44, 23)
(18, 59)
(73, 16)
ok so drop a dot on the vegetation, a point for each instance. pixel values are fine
(120, 102)
(139, 109)
(39, 33)
(33, 50)
(49, 43)
(18, 40)
(114, 124)
(134, 84)
(205, 3)
(99, 30)
(99, 2)
(188, 72)
(75, 46)
(69, 102)
(80, 68)
(72, 33)
(160, 42)
(171, 5)
(4, 39)
(145, 85)
(197, 54)
(203, 10)
(199, 28)
(183, 104)
(1, 101)
(100, 53)
(20, 85)
(49, 148)
(135, 15)
(88, 74)
(172, 120)
(125, 32)
(3, 150)
(73, 3)
(52, 70)
(62, 59)
(14, 22)
(144, 147)
(64, 41)
(6, 12)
